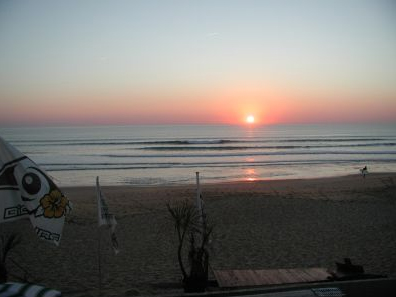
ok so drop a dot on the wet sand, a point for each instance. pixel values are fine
(257, 225)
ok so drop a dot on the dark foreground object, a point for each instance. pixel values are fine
(383, 287)
(349, 271)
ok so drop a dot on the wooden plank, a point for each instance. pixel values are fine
(257, 277)
(319, 273)
(273, 279)
(244, 278)
(241, 276)
(226, 278)
(316, 274)
(310, 274)
(295, 275)
(254, 277)
(233, 277)
(263, 276)
(278, 276)
(220, 277)
(286, 276)
(305, 275)
(247, 278)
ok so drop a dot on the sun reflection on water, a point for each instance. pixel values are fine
(250, 175)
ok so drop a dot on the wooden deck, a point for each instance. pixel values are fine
(245, 278)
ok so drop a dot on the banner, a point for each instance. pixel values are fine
(105, 218)
(27, 191)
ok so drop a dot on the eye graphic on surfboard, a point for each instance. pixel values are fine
(33, 183)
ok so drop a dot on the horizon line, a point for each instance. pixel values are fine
(65, 125)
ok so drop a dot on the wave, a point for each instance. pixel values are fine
(131, 142)
(247, 154)
(115, 142)
(334, 139)
(228, 148)
(126, 166)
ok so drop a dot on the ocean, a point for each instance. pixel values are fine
(171, 154)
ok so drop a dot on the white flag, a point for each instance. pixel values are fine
(105, 218)
(200, 203)
(27, 191)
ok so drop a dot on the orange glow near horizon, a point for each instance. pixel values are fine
(240, 104)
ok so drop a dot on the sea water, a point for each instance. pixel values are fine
(171, 154)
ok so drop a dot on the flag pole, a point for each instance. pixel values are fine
(200, 209)
(99, 238)
(99, 263)
(198, 202)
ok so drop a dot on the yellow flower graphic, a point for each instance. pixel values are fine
(54, 204)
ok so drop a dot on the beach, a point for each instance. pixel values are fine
(257, 225)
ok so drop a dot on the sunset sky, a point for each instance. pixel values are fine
(171, 62)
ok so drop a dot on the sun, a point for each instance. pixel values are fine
(250, 119)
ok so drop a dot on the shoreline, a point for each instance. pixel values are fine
(337, 178)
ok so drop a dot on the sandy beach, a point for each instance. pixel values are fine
(258, 225)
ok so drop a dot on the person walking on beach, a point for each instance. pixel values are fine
(364, 171)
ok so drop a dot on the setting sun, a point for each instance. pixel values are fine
(250, 119)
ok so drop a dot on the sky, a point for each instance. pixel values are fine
(197, 62)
